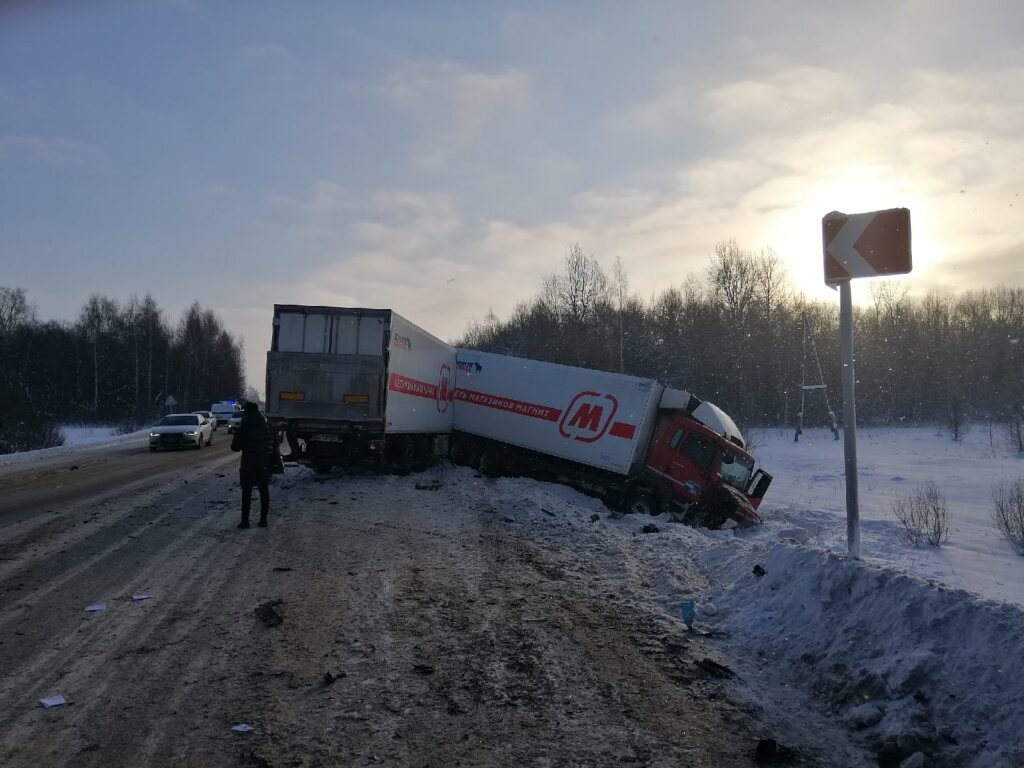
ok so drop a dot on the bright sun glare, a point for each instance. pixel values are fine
(796, 234)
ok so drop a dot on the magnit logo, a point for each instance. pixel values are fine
(444, 388)
(588, 416)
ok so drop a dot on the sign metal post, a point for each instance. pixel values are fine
(859, 245)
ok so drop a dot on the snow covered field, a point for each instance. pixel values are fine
(920, 651)
(808, 496)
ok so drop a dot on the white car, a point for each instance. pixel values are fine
(209, 415)
(234, 421)
(181, 430)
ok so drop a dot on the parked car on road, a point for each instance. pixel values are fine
(181, 430)
(211, 417)
(234, 421)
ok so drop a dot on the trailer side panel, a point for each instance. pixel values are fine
(600, 419)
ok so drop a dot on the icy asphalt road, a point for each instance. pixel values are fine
(421, 626)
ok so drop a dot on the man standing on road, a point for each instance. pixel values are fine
(255, 439)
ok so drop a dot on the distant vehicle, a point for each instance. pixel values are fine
(234, 420)
(181, 430)
(224, 410)
(209, 416)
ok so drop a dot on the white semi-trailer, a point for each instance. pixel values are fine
(352, 386)
(639, 444)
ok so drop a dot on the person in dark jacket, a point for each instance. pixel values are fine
(255, 439)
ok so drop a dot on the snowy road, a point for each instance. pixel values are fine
(422, 626)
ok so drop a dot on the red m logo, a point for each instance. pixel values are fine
(588, 416)
(444, 382)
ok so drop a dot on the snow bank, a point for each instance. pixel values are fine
(917, 666)
(77, 438)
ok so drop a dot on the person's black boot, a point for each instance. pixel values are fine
(243, 524)
(262, 523)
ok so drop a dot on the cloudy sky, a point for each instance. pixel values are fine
(439, 158)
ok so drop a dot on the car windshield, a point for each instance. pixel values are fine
(736, 470)
(179, 421)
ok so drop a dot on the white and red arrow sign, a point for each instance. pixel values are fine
(866, 244)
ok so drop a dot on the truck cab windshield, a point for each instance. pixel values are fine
(735, 470)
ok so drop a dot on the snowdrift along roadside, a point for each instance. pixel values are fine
(916, 666)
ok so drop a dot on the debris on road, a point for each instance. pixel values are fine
(759, 570)
(137, 598)
(651, 528)
(770, 752)
(281, 569)
(330, 678)
(242, 728)
(423, 669)
(433, 485)
(95, 607)
(595, 517)
(267, 614)
(715, 669)
(52, 701)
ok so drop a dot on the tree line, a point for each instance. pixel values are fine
(116, 363)
(740, 336)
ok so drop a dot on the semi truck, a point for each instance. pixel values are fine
(642, 446)
(356, 386)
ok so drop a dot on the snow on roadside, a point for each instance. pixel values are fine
(77, 438)
(909, 664)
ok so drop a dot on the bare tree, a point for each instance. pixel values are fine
(14, 309)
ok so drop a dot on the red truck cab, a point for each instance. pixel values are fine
(701, 472)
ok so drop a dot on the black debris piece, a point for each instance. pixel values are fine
(595, 517)
(715, 669)
(651, 528)
(759, 571)
(770, 752)
(267, 614)
(423, 669)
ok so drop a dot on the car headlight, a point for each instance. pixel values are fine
(190, 434)
(154, 434)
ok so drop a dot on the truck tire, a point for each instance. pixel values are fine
(714, 508)
(402, 455)
(643, 503)
(464, 452)
(423, 452)
(493, 461)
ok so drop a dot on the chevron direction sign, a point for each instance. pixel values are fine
(866, 244)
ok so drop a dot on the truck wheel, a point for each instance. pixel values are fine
(464, 453)
(403, 453)
(643, 503)
(493, 462)
(424, 453)
(714, 508)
